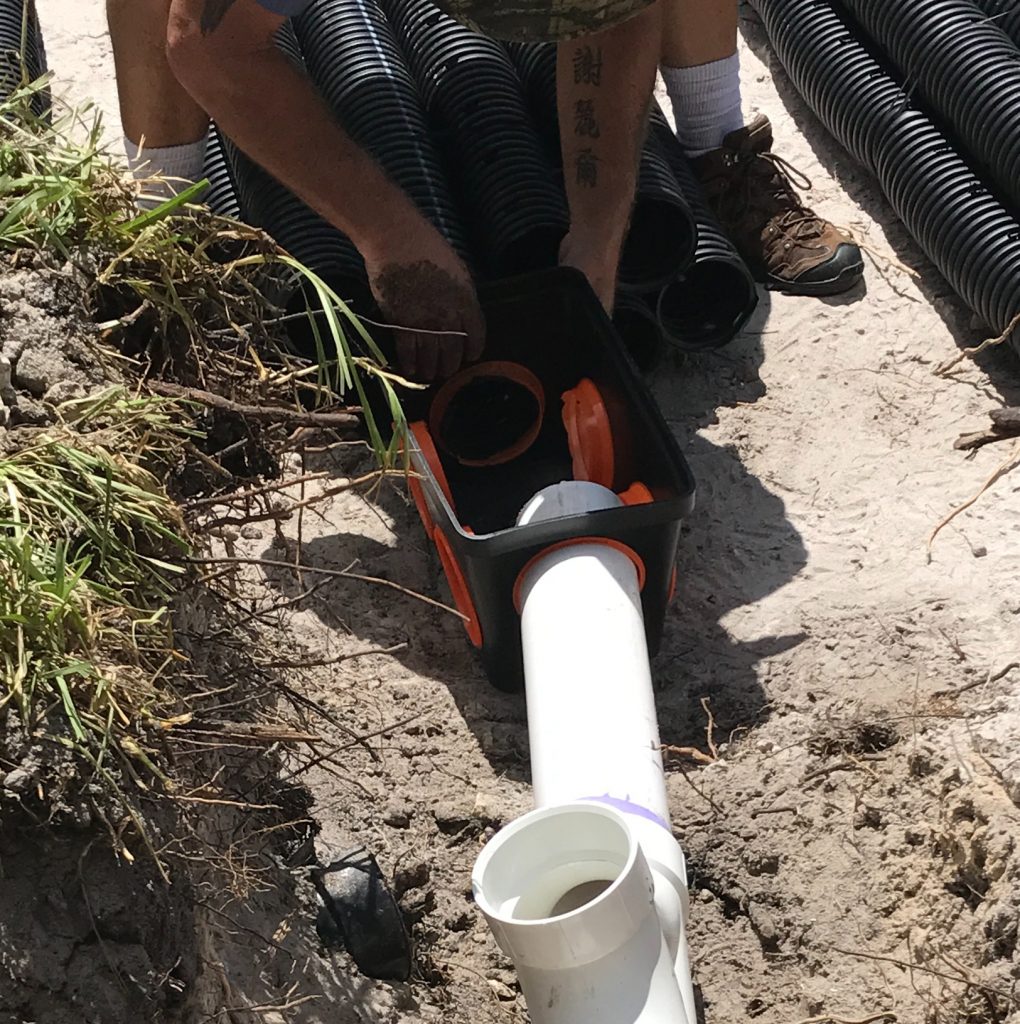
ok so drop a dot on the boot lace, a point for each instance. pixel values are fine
(764, 188)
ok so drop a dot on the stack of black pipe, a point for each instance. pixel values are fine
(221, 196)
(494, 157)
(712, 299)
(22, 57)
(931, 105)
(357, 65)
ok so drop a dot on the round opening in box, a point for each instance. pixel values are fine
(488, 414)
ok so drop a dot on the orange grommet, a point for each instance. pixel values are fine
(574, 542)
(636, 494)
(589, 434)
(458, 587)
(523, 434)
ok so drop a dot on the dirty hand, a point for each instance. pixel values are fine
(597, 261)
(424, 289)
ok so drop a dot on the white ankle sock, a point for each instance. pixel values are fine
(183, 165)
(706, 103)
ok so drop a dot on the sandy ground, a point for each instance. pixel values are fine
(854, 848)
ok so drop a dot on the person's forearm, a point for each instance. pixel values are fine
(604, 84)
(274, 114)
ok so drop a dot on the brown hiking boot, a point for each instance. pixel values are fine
(785, 244)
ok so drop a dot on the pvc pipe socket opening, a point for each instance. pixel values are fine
(554, 864)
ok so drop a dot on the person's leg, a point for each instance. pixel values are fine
(165, 130)
(701, 71)
(786, 244)
(604, 87)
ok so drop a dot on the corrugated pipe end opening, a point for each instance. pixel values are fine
(706, 308)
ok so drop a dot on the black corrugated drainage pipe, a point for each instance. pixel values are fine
(962, 227)
(355, 61)
(639, 328)
(663, 235)
(221, 196)
(22, 56)
(536, 68)
(964, 67)
(494, 156)
(1005, 14)
(709, 303)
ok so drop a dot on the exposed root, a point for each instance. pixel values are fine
(1007, 465)
(970, 353)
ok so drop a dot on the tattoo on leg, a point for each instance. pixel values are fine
(213, 12)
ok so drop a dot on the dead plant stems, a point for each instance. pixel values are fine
(271, 563)
(1009, 463)
(345, 420)
(254, 492)
(886, 1016)
(335, 660)
(945, 367)
(907, 965)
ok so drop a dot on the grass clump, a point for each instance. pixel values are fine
(91, 543)
(89, 547)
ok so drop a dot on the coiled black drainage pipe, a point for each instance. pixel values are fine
(962, 227)
(221, 196)
(494, 157)
(638, 326)
(22, 57)
(535, 64)
(354, 59)
(965, 68)
(708, 304)
(1005, 14)
(663, 235)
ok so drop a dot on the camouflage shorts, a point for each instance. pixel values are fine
(536, 21)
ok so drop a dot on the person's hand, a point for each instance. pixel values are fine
(425, 291)
(597, 262)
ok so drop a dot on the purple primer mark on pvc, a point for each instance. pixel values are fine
(628, 808)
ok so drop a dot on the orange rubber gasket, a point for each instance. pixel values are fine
(589, 434)
(494, 368)
(636, 494)
(573, 542)
(673, 578)
(458, 587)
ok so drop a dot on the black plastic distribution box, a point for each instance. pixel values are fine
(551, 324)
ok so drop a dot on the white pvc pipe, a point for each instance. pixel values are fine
(590, 898)
(591, 713)
(605, 962)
